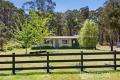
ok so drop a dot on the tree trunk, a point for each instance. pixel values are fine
(111, 45)
(70, 31)
(40, 47)
(1, 47)
(26, 48)
(101, 38)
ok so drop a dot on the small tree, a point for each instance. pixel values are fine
(88, 35)
(40, 29)
(25, 36)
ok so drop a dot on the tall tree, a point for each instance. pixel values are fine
(4, 35)
(10, 16)
(110, 20)
(84, 13)
(72, 21)
(40, 5)
(58, 24)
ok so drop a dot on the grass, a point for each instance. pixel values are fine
(50, 50)
(63, 76)
(66, 74)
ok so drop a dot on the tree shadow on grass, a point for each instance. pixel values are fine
(24, 74)
(101, 72)
(44, 73)
(55, 73)
(39, 73)
(5, 74)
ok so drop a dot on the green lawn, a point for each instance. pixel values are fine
(51, 50)
(66, 74)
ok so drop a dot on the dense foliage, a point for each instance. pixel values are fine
(36, 34)
(88, 35)
(10, 19)
(40, 5)
(110, 22)
(68, 23)
(25, 36)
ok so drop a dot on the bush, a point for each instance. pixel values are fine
(69, 47)
(62, 47)
(88, 35)
(2, 49)
(12, 45)
(18, 46)
(10, 48)
(42, 47)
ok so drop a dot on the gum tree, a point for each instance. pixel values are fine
(110, 22)
(4, 35)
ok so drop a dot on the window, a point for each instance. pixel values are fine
(48, 42)
(64, 42)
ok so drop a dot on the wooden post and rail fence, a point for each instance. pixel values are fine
(48, 61)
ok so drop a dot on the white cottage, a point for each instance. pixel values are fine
(59, 41)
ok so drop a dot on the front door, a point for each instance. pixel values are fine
(75, 43)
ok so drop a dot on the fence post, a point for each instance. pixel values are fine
(13, 63)
(115, 67)
(48, 62)
(81, 61)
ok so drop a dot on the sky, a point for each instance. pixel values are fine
(64, 5)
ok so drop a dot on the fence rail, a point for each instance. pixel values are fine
(48, 61)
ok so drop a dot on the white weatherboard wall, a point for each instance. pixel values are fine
(57, 41)
(69, 42)
(60, 43)
(53, 42)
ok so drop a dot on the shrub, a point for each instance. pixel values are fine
(69, 47)
(88, 35)
(10, 48)
(18, 46)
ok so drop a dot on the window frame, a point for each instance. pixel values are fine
(64, 41)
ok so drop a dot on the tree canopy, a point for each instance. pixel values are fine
(10, 18)
(110, 21)
(43, 19)
(40, 5)
(34, 30)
